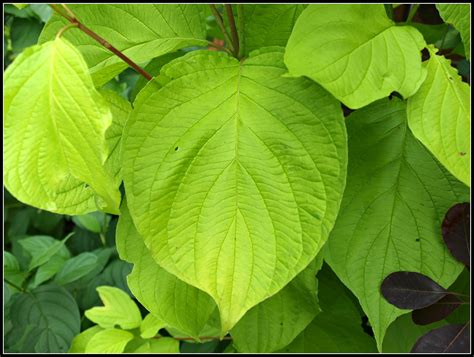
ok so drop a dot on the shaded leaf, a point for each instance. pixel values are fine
(53, 315)
(51, 267)
(446, 339)
(42, 248)
(362, 56)
(264, 158)
(392, 210)
(462, 285)
(93, 221)
(459, 15)
(437, 311)
(456, 230)
(76, 267)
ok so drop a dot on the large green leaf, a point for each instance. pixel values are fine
(234, 174)
(459, 15)
(53, 316)
(177, 304)
(140, 31)
(338, 327)
(275, 322)
(356, 52)
(439, 115)
(391, 214)
(266, 24)
(54, 128)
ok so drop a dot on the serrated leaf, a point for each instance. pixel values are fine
(54, 133)
(80, 342)
(275, 322)
(266, 24)
(457, 232)
(459, 15)
(356, 52)
(338, 327)
(439, 116)
(42, 249)
(391, 212)
(53, 315)
(150, 326)
(240, 196)
(411, 290)
(445, 339)
(178, 304)
(157, 29)
(119, 309)
(76, 267)
(108, 341)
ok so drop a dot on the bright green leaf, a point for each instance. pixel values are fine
(80, 342)
(53, 315)
(459, 15)
(76, 268)
(178, 304)
(54, 131)
(356, 52)
(119, 309)
(120, 109)
(150, 326)
(276, 321)
(439, 115)
(108, 341)
(20, 6)
(391, 214)
(266, 24)
(140, 31)
(240, 196)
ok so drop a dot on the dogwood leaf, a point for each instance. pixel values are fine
(363, 56)
(54, 128)
(234, 174)
(391, 214)
(439, 115)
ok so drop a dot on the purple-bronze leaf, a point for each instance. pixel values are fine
(456, 232)
(436, 312)
(411, 290)
(446, 339)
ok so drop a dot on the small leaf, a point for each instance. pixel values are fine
(446, 339)
(161, 345)
(51, 267)
(93, 221)
(437, 311)
(42, 248)
(119, 309)
(456, 230)
(150, 326)
(411, 290)
(76, 268)
(80, 342)
(109, 341)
